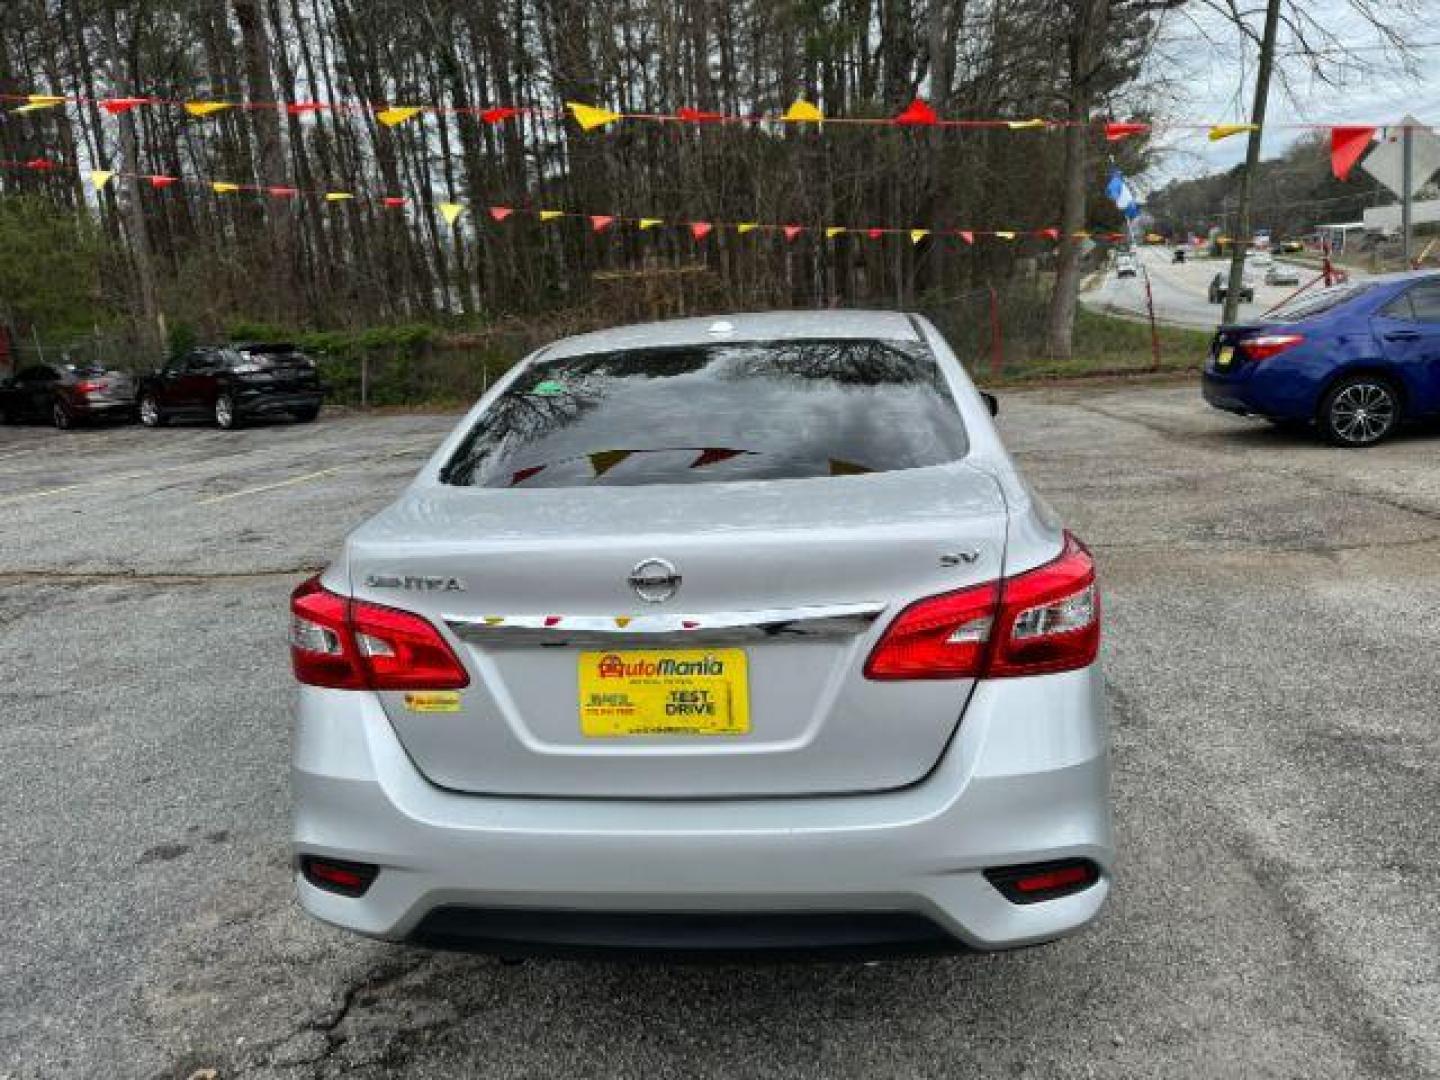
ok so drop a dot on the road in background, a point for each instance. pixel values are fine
(1181, 290)
(1272, 607)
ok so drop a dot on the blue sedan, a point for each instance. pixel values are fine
(1354, 359)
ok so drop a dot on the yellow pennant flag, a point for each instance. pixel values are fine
(1224, 131)
(589, 117)
(650, 222)
(221, 187)
(551, 215)
(338, 196)
(451, 211)
(205, 108)
(832, 231)
(1023, 125)
(34, 102)
(1006, 235)
(602, 461)
(398, 114)
(916, 235)
(746, 226)
(1081, 235)
(100, 177)
(803, 112)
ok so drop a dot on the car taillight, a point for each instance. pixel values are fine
(353, 645)
(1263, 346)
(1041, 621)
(89, 387)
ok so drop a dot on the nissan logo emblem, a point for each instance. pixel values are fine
(654, 580)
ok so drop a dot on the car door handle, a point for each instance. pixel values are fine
(1402, 335)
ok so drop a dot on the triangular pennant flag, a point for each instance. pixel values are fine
(1024, 125)
(623, 621)
(398, 114)
(1050, 234)
(604, 460)
(967, 236)
(746, 226)
(874, 234)
(499, 113)
(519, 477)
(918, 114)
(117, 105)
(589, 117)
(394, 202)
(832, 231)
(551, 215)
(222, 187)
(712, 455)
(159, 182)
(200, 109)
(100, 177)
(1347, 145)
(916, 235)
(792, 231)
(300, 108)
(35, 102)
(1081, 234)
(1224, 131)
(338, 196)
(695, 116)
(601, 222)
(282, 192)
(700, 229)
(650, 222)
(1005, 236)
(802, 112)
(1114, 132)
(500, 213)
(451, 211)
(40, 164)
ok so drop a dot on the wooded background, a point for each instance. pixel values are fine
(70, 257)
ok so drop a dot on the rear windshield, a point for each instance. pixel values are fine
(1317, 303)
(693, 414)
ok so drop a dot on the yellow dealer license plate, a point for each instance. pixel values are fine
(1224, 356)
(664, 692)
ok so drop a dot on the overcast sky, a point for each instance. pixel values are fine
(1214, 79)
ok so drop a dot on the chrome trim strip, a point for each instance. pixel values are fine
(831, 621)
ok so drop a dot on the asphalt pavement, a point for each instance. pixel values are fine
(1272, 607)
(1181, 290)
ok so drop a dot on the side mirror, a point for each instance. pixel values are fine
(991, 402)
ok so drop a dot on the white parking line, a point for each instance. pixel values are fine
(316, 475)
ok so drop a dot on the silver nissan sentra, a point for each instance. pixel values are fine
(738, 635)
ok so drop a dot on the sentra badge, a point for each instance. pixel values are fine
(415, 582)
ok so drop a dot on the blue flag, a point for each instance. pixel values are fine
(1120, 194)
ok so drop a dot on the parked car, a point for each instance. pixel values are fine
(1355, 360)
(1220, 285)
(1179, 255)
(231, 384)
(1290, 247)
(67, 394)
(1126, 265)
(734, 634)
(1282, 274)
(1259, 260)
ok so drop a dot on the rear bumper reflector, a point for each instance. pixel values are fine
(1032, 883)
(338, 875)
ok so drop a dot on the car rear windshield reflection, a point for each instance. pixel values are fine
(703, 413)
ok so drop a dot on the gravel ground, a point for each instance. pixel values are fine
(1272, 610)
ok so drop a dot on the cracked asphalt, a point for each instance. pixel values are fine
(1272, 606)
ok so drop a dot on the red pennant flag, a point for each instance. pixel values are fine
(874, 234)
(792, 231)
(1050, 234)
(700, 229)
(282, 192)
(499, 113)
(394, 202)
(521, 475)
(601, 222)
(917, 114)
(1347, 146)
(117, 105)
(695, 116)
(711, 455)
(40, 164)
(1117, 131)
(500, 213)
(158, 182)
(300, 108)
(967, 236)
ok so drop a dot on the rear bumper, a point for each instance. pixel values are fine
(1025, 780)
(270, 403)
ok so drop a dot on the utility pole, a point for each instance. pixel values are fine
(1407, 176)
(1252, 161)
